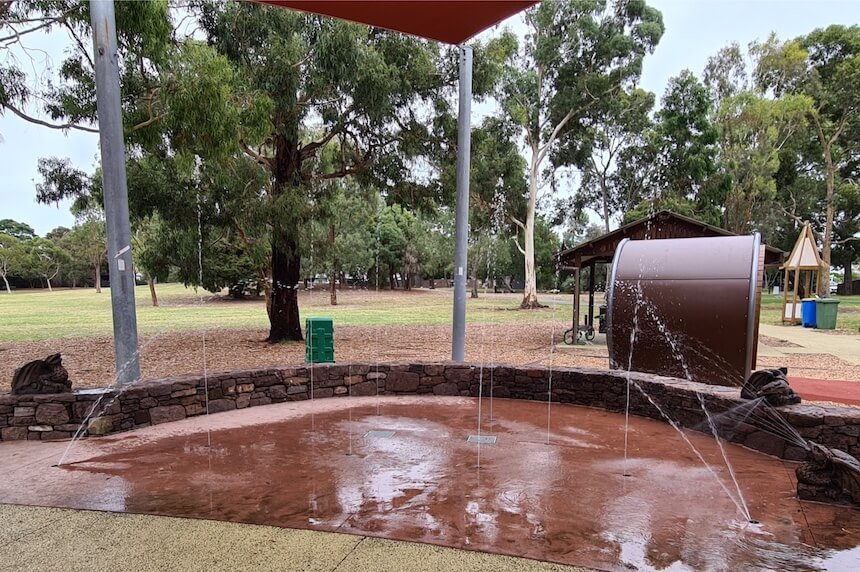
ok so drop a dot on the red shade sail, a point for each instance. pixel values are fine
(449, 21)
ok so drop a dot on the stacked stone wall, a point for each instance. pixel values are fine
(51, 417)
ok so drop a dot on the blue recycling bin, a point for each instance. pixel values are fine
(807, 312)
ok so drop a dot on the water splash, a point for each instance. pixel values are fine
(725, 456)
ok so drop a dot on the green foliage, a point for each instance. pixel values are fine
(615, 135)
(12, 258)
(15, 229)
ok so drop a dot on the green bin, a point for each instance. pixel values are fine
(319, 340)
(825, 313)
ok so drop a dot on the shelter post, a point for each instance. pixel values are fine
(576, 274)
(112, 147)
(591, 294)
(464, 141)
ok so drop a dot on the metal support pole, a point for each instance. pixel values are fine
(115, 191)
(576, 292)
(464, 143)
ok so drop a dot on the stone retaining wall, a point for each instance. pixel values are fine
(171, 399)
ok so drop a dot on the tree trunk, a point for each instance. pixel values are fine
(48, 280)
(432, 283)
(284, 320)
(530, 299)
(830, 172)
(333, 275)
(848, 278)
(6, 282)
(605, 194)
(152, 293)
(98, 278)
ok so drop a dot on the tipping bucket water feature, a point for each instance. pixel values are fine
(689, 306)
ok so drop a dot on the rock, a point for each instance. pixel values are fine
(190, 410)
(40, 428)
(446, 389)
(100, 426)
(25, 412)
(766, 443)
(219, 405)
(184, 392)
(278, 392)
(13, 433)
(245, 388)
(364, 389)
(243, 401)
(294, 389)
(166, 414)
(52, 414)
(458, 373)
(402, 382)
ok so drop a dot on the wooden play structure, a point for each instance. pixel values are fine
(801, 275)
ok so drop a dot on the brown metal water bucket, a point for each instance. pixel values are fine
(694, 305)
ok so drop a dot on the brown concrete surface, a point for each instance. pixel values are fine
(845, 392)
(36, 538)
(309, 465)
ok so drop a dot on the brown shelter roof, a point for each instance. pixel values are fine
(662, 224)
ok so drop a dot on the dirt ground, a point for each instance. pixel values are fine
(90, 360)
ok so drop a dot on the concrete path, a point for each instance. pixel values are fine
(811, 341)
(37, 539)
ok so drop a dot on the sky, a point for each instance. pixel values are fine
(695, 30)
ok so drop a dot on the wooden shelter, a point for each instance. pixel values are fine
(801, 275)
(601, 250)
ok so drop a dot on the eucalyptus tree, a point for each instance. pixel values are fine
(12, 258)
(753, 128)
(87, 243)
(609, 140)
(45, 259)
(575, 58)
(361, 88)
(824, 66)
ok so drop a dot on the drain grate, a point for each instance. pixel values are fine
(482, 439)
(379, 434)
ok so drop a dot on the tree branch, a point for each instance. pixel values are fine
(45, 24)
(26, 117)
(552, 137)
(260, 159)
(517, 222)
(149, 121)
(516, 239)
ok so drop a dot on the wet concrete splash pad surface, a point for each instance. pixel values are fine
(290, 465)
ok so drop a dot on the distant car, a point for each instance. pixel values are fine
(833, 287)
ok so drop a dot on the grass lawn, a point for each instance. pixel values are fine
(847, 320)
(41, 315)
